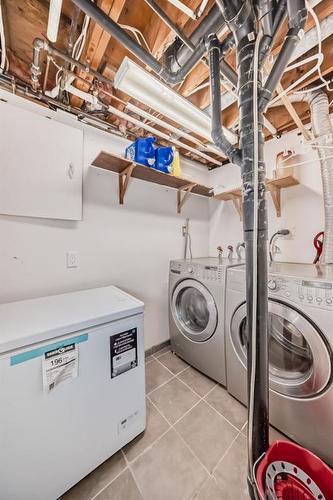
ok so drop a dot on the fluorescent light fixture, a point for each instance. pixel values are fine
(142, 86)
(54, 19)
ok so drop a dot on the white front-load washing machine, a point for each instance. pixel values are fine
(196, 313)
(300, 350)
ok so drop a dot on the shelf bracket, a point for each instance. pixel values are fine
(276, 197)
(124, 177)
(182, 199)
(237, 201)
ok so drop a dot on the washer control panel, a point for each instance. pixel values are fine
(197, 271)
(314, 293)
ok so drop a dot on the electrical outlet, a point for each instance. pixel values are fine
(72, 259)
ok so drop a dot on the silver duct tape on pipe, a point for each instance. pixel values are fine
(322, 131)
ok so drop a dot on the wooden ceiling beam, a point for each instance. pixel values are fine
(96, 44)
(25, 20)
(159, 35)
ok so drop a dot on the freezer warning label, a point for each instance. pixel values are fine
(124, 352)
(59, 365)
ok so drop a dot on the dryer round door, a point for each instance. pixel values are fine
(194, 311)
(299, 359)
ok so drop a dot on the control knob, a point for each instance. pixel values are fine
(190, 269)
(272, 285)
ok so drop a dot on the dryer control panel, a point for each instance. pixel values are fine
(303, 291)
(197, 271)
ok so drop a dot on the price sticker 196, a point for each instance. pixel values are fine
(59, 365)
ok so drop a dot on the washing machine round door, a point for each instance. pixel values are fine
(299, 358)
(194, 311)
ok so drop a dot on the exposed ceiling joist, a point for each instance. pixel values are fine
(97, 43)
(324, 11)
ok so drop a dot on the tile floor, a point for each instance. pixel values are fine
(194, 446)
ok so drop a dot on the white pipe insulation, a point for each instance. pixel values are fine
(323, 133)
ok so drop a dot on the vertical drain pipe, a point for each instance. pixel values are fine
(240, 17)
(255, 247)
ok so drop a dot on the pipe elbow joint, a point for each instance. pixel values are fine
(226, 147)
(39, 44)
(212, 42)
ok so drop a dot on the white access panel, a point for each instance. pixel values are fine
(40, 166)
(52, 438)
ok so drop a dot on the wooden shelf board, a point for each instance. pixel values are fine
(118, 164)
(274, 186)
(282, 182)
(229, 195)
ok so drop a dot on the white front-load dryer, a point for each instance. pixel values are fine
(300, 320)
(196, 313)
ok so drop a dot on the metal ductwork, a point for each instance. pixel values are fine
(323, 133)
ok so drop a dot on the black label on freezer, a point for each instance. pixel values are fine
(124, 352)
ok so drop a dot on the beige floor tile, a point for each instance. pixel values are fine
(149, 358)
(156, 425)
(173, 399)
(209, 491)
(156, 375)
(168, 470)
(162, 351)
(228, 406)
(197, 381)
(231, 473)
(172, 362)
(96, 480)
(207, 433)
(122, 488)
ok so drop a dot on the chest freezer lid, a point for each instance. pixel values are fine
(27, 322)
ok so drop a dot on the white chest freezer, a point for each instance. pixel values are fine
(72, 388)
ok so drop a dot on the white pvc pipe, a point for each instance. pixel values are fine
(189, 12)
(173, 129)
(93, 100)
(54, 20)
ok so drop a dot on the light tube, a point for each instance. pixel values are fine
(54, 20)
(144, 87)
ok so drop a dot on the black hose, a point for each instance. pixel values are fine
(281, 232)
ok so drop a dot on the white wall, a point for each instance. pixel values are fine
(302, 205)
(129, 246)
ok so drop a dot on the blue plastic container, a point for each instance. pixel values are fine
(163, 159)
(142, 151)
